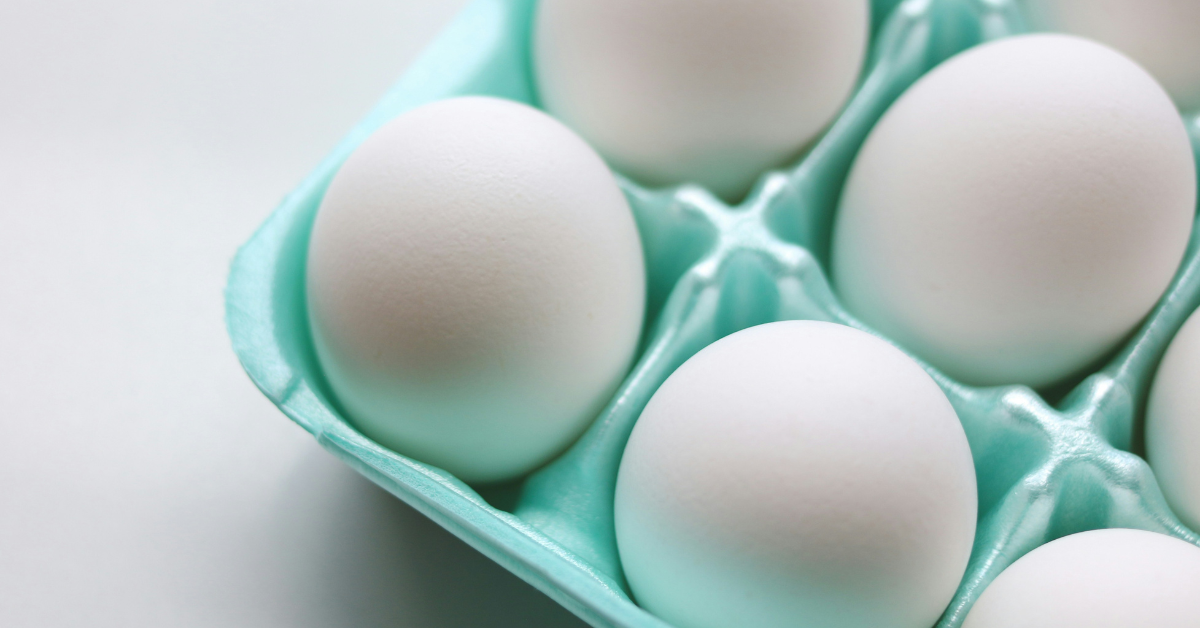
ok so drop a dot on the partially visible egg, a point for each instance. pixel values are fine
(1162, 35)
(712, 92)
(476, 286)
(1018, 211)
(1099, 579)
(1173, 424)
(797, 474)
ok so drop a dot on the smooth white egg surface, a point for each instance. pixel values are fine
(713, 92)
(1018, 211)
(1099, 579)
(1173, 424)
(797, 474)
(1162, 35)
(476, 286)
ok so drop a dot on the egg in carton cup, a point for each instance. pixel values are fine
(1045, 468)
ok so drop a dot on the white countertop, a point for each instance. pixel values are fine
(143, 479)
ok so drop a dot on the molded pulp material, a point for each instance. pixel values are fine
(1044, 470)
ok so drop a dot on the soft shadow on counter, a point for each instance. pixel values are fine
(357, 556)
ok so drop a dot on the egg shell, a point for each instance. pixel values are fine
(1173, 423)
(1099, 579)
(1162, 35)
(710, 92)
(1018, 212)
(1043, 471)
(476, 286)
(797, 469)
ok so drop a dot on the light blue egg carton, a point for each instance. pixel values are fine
(1045, 470)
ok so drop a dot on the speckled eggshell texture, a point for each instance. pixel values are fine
(476, 286)
(713, 92)
(1018, 211)
(1162, 35)
(1173, 424)
(797, 474)
(1098, 579)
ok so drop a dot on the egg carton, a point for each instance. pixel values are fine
(1048, 465)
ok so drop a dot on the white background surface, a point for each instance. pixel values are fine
(143, 480)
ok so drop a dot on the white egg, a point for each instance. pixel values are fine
(1018, 211)
(1173, 424)
(1099, 579)
(797, 474)
(1162, 35)
(713, 92)
(476, 286)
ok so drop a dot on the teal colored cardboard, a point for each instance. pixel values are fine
(1044, 470)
